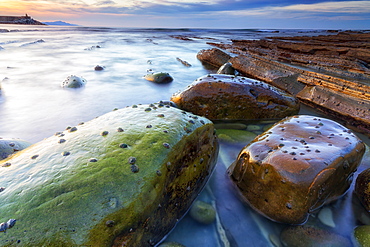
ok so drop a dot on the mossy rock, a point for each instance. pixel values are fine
(160, 77)
(122, 179)
(362, 235)
(203, 212)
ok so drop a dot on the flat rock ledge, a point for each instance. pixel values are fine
(328, 72)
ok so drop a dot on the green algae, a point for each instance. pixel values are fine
(68, 196)
(235, 136)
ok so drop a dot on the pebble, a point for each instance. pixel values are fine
(326, 217)
(203, 212)
(362, 235)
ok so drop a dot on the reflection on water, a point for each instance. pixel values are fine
(36, 60)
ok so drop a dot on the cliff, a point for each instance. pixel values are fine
(24, 20)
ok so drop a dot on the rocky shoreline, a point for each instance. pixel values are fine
(328, 72)
(22, 20)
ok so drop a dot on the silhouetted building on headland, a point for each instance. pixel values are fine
(25, 20)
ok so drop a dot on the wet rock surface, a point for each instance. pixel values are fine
(335, 66)
(9, 146)
(91, 190)
(159, 77)
(73, 81)
(219, 96)
(362, 188)
(214, 57)
(297, 166)
(310, 236)
(362, 235)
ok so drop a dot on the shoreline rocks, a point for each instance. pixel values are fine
(296, 166)
(223, 97)
(122, 179)
(336, 66)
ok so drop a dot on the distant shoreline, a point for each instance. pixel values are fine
(19, 20)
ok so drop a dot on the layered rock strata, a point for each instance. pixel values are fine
(122, 179)
(297, 166)
(328, 72)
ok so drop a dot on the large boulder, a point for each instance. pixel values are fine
(9, 146)
(219, 96)
(295, 167)
(122, 179)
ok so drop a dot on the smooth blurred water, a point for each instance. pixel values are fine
(35, 60)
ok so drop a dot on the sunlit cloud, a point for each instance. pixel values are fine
(348, 7)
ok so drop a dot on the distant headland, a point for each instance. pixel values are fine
(23, 20)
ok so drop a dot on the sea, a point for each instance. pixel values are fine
(35, 60)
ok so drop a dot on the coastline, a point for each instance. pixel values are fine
(19, 20)
(330, 73)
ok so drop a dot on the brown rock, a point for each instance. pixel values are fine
(214, 57)
(295, 167)
(362, 188)
(337, 66)
(309, 236)
(219, 96)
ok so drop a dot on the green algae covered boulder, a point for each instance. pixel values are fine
(297, 166)
(227, 97)
(122, 179)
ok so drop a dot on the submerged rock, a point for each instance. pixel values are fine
(98, 68)
(231, 97)
(11, 146)
(159, 77)
(73, 81)
(362, 235)
(362, 188)
(203, 212)
(310, 236)
(90, 191)
(295, 167)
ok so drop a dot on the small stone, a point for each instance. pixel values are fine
(93, 160)
(362, 235)
(73, 129)
(61, 140)
(7, 164)
(326, 217)
(166, 145)
(203, 212)
(132, 160)
(134, 168)
(104, 133)
(35, 156)
(123, 145)
(109, 223)
(120, 129)
(98, 68)
(66, 153)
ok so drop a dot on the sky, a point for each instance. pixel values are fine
(230, 14)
